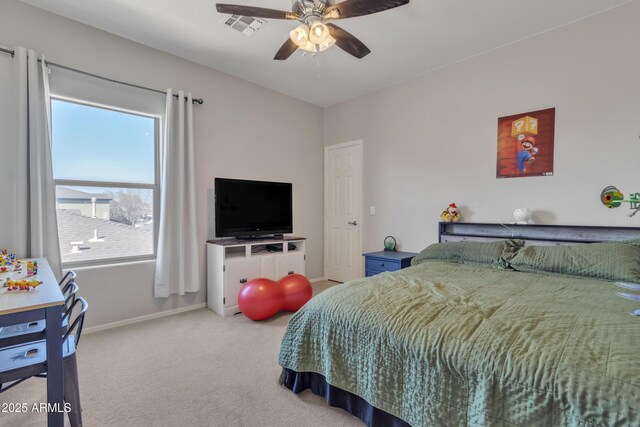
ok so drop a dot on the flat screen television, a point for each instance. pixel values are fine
(252, 208)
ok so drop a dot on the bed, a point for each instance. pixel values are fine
(485, 329)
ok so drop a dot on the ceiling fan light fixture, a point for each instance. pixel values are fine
(327, 44)
(310, 47)
(332, 14)
(300, 36)
(313, 34)
(319, 33)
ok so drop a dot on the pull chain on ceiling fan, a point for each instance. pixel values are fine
(316, 32)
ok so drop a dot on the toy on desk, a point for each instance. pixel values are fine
(9, 262)
(450, 214)
(32, 267)
(5, 256)
(21, 285)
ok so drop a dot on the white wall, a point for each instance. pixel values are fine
(242, 131)
(431, 140)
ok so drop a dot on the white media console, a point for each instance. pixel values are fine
(232, 263)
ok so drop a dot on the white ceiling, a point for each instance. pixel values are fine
(405, 42)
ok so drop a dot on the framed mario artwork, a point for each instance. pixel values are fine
(525, 144)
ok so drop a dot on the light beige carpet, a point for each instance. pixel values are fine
(191, 369)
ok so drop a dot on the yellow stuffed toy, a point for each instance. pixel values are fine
(450, 214)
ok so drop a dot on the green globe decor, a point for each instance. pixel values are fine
(390, 243)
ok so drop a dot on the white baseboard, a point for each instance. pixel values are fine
(157, 315)
(143, 318)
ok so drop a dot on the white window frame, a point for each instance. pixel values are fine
(155, 187)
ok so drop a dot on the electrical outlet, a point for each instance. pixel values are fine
(372, 210)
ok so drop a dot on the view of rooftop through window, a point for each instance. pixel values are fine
(93, 148)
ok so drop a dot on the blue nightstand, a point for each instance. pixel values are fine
(378, 262)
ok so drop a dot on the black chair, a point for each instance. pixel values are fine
(70, 276)
(20, 362)
(35, 331)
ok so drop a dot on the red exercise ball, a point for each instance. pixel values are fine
(260, 299)
(297, 291)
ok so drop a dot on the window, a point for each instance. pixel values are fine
(106, 175)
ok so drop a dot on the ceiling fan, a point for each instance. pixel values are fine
(316, 32)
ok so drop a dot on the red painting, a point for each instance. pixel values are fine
(525, 144)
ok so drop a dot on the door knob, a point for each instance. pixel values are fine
(353, 223)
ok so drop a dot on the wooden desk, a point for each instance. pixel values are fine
(45, 302)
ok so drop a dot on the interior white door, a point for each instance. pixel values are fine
(343, 200)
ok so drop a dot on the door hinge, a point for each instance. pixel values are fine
(224, 268)
(224, 301)
(305, 257)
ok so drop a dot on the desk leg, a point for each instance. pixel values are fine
(54, 366)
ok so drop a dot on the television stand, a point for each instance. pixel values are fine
(252, 238)
(233, 262)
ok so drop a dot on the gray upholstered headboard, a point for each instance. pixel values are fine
(534, 234)
(537, 234)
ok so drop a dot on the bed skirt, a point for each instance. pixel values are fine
(298, 382)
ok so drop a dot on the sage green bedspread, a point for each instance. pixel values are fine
(443, 344)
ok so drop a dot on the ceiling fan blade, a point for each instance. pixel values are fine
(348, 42)
(255, 12)
(286, 50)
(353, 8)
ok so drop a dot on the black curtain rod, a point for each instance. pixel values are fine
(199, 101)
(10, 52)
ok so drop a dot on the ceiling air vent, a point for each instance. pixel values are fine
(244, 24)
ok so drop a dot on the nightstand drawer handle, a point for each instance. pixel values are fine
(243, 280)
